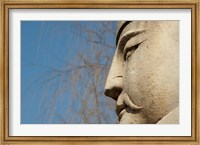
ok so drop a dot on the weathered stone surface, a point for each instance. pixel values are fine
(144, 75)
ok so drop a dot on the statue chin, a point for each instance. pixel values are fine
(131, 117)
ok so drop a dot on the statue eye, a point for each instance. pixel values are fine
(130, 50)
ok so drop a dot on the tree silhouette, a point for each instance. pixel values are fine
(71, 89)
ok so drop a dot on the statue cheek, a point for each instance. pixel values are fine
(132, 87)
(139, 82)
(141, 74)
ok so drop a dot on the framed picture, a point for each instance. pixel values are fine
(105, 72)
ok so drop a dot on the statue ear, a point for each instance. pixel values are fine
(121, 26)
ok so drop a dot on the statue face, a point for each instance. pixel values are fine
(144, 75)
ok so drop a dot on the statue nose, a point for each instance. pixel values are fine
(114, 87)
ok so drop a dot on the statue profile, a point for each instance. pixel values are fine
(144, 74)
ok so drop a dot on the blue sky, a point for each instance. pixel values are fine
(50, 56)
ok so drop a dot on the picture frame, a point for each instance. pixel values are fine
(6, 5)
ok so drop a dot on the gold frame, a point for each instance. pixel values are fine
(32, 4)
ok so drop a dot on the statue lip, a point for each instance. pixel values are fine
(121, 109)
(121, 114)
(123, 103)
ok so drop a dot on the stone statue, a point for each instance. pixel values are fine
(144, 74)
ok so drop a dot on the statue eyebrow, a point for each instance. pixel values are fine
(123, 40)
